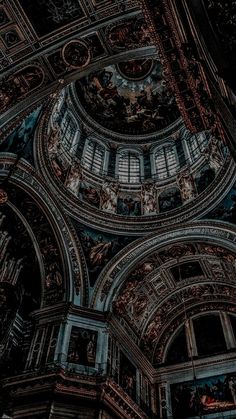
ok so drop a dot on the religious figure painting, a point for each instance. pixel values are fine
(131, 98)
(21, 139)
(109, 193)
(204, 178)
(18, 85)
(57, 63)
(89, 194)
(95, 45)
(82, 346)
(128, 34)
(49, 15)
(204, 396)
(169, 199)
(99, 248)
(127, 376)
(149, 199)
(129, 205)
(177, 251)
(226, 210)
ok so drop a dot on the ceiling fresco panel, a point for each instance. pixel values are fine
(47, 16)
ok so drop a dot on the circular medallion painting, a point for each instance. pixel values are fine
(76, 54)
(135, 70)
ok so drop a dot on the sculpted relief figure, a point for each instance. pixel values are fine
(109, 195)
(186, 184)
(214, 154)
(149, 199)
(53, 141)
(73, 180)
(14, 87)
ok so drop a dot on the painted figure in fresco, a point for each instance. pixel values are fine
(135, 69)
(177, 251)
(20, 140)
(129, 205)
(12, 88)
(73, 180)
(109, 193)
(53, 141)
(149, 199)
(214, 154)
(53, 277)
(140, 305)
(205, 396)
(82, 346)
(76, 54)
(152, 329)
(186, 184)
(89, 194)
(169, 199)
(127, 295)
(126, 106)
(232, 388)
(91, 350)
(134, 31)
(99, 252)
(48, 15)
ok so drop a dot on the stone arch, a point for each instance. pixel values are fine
(25, 182)
(117, 270)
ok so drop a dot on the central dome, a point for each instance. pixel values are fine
(130, 98)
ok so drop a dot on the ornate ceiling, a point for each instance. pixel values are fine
(117, 170)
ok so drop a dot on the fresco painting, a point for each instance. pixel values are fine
(204, 396)
(21, 139)
(127, 376)
(99, 248)
(16, 86)
(226, 210)
(169, 199)
(204, 178)
(89, 194)
(128, 34)
(49, 15)
(117, 101)
(82, 346)
(129, 205)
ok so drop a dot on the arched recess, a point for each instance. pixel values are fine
(112, 277)
(154, 285)
(52, 231)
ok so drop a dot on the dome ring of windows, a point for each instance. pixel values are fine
(157, 183)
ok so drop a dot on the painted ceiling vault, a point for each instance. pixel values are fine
(117, 209)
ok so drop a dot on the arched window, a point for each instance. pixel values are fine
(129, 170)
(209, 335)
(178, 351)
(196, 145)
(204, 335)
(68, 131)
(94, 156)
(166, 163)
